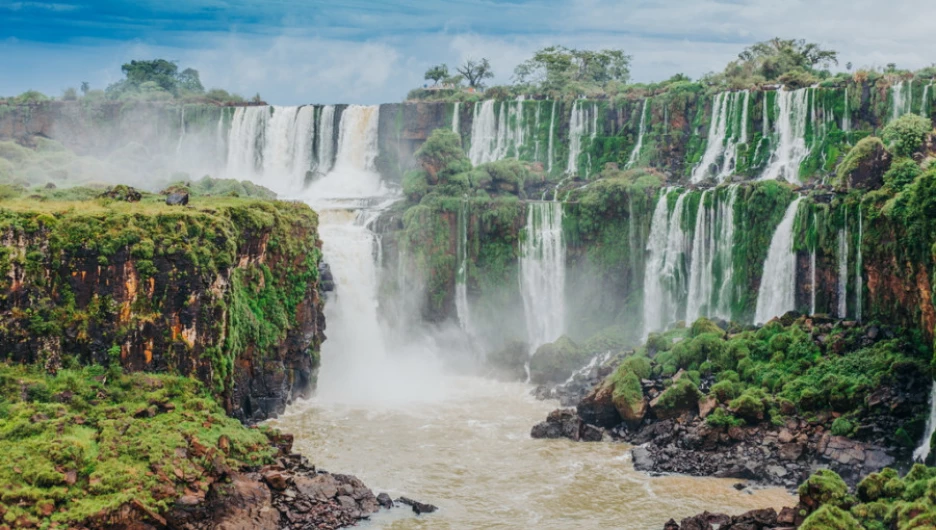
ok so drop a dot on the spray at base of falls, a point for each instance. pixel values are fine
(665, 276)
(542, 273)
(635, 153)
(791, 148)
(777, 293)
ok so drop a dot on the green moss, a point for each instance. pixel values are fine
(830, 518)
(123, 437)
(555, 362)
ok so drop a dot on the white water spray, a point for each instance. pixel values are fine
(461, 273)
(665, 275)
(582, 123)
(777, 293)
(791, 148)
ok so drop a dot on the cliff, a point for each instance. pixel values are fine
(224, 290)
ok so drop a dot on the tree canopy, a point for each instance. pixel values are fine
(785, 60)
(155, 75)
(475, 72)
(437, 73)
(557, 68)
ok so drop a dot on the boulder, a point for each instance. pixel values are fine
(178, 198)
(707, 406)
(598, 407)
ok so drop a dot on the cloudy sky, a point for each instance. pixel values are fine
(371, 51)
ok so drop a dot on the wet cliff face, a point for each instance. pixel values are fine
(225, 291)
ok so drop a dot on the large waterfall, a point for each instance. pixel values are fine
(665, 275)
(711, 262)
(791, 148)
(777, 293)
(542, 273)
(727, 130)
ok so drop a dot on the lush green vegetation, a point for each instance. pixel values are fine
(83, 442)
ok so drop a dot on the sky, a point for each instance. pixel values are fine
(372, 51)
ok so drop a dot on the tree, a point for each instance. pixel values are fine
(160, 71)
(775, 57)
(475, 72)
(437, 73)
(556, 67)
(189, 81)
(85, 87)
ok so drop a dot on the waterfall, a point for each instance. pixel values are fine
(921, 453)
(325, 155)
(456, 119)
(901, 101)
(582, 123)
(843, 272)
(354, 173)
(859, 281)
(715, 145)
(812, 270)
(536, 135)
(777, 293)
(701, 280)
(461, 274)
(724, 254)
(635, 154)
(739, 109)
(494, 134)
(665, 275)
(552, 127)
(273, 144)
(181, 131)
(925, 103)
(727, 130)
(542, 273)
(791, 148)
(846, 117)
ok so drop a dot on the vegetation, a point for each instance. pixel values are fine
(83, 442)
(476, 72)
(560, 70)
(905, 135)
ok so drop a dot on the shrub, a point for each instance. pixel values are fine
(904, 136)
(842, 427)
(704, 325)
(749, 405)
(830, 518)
(721, 418)
(724, 391)
(825, 487)
(902, 172)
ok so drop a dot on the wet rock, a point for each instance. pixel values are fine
(385, 501)
(326, 279)
(122, 193)
(178, 198)
(598, 408)
(418, 507)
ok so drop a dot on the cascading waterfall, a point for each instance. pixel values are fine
(326, 140)
(542, 273)
(495, 134)
(901, 100)
(739, 134)
(812, 270)
(582, 123)
(461, 273)
(791, 148)
(181, 131)
(552, 133)
(456, 118)
(846, 117)
(727, 131)
(635, 154)
(665, 275)
(536, 127)
(859, 276)
(273, 144)
(718, 129)
(921, 453)
(843, 272)
(777, 293)
(925, 102)
(711, 262)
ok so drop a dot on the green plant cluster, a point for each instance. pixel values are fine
(82, 443)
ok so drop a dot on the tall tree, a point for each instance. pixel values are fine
(775, 57)
(557, 67)
(437, 73)
(475, 72)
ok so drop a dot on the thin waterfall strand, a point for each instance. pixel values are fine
(542, 273)
(777, 293)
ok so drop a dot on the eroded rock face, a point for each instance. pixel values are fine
(171, 293)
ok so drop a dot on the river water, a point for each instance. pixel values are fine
(469, 452)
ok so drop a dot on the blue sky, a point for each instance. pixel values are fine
(369, 51)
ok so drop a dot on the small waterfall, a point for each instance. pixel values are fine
(326, 140)
(718, 129)
(791, 148)
(925, 102)
(812, 270)
(701, 278)
(739, 109)
(921, 453)
(723, 253)
(901, 100)
(582, 123)
(777, 293)
(728, 130)
(494, 134)
(843, 272)
(181, 131)
(665, 275)
(536, 135)
(456, 118)
(542, 273)
(846, 117)
(461, 274)
(635, 154)
(859, 276)
(245, 141)
(552, 134)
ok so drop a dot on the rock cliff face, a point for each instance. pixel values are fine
(224, 290)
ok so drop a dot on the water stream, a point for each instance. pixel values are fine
(777, 293)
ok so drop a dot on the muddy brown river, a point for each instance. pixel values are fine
(467, 449)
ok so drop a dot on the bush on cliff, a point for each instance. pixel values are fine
(82, 443)
(904, 136)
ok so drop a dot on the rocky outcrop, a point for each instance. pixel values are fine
(223, 292)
